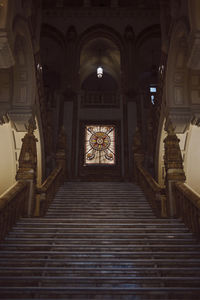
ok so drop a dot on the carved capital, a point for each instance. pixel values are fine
(20, 119)
(28, 155)
(6, 55)
(173, 159)
(3, 118)
(194, 41)
(180, 117)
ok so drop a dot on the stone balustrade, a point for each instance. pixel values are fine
(187, 206)
(47, 191)
(152, 190)
(13, 205)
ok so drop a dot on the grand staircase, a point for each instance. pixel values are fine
(100, 241)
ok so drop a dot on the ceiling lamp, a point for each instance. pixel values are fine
(99, 72)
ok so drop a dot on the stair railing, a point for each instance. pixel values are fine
(187, 206)
(154, 192)
(47, 191)
(13, 205)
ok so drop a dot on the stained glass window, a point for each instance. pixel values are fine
(99, 144)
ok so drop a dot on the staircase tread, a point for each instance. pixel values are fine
(99, 239)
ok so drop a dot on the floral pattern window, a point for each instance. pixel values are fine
(99, 144)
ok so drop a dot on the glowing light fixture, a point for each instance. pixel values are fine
(99, 72)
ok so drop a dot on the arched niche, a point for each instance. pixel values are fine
(100, 45)
(24, 78)
(100, 52)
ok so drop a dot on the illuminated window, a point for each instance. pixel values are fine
(99, 144)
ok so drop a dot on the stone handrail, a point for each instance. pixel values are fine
(153, 191)
(188, 206)
(13, 205)
(46, 192)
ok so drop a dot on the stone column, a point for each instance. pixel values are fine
(70, 73)
(138, 153)
(61, 151)
(130, 61)
(28, 165)
(174, 167)
(165, 20)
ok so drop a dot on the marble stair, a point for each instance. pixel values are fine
(100, 241)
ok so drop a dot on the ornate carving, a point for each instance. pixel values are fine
(174, 167)
(28, 155)
(181, 118)
(20, 119)
(61, 150)
(173, 159)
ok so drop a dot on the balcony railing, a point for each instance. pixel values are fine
(95, 98)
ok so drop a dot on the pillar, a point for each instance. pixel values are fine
(28, 165)
(173, 166)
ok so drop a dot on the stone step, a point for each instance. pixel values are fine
(102, 242)
(93, 281)
(106, 221)
(106, 249)
(43, 224)
(108, 293)
(60, 253)
(98, 271)
(103, 230)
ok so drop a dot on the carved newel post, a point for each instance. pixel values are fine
(173, 167)
(28, 165)
(138, 153)
(61, 151)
